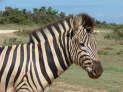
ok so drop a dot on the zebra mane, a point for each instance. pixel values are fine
(73, 21)
(87, 21)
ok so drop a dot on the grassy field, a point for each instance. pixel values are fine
(18, 37)
(75, 79)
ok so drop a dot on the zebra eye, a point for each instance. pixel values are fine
(88, 30)
(82, 44)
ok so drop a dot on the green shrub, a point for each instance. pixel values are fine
(117, 34)
(12, 41)
(108, 48)
(119, 52)
(108, 36)
(102, 52)
(41, 15)
(23, 32)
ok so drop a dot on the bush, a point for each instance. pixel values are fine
(117, 34)
(119, 53)
(23, 32)
(108, 36)
(102, 52)
(41, 15)
(108, 48)
(12, 41)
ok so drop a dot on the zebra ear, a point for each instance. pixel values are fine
(75, 22)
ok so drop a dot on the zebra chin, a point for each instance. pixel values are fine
(96, 71)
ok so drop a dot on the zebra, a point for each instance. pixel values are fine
(69, 27)
(32, 67)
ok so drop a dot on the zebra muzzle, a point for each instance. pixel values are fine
(96, 71)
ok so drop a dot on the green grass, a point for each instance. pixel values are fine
(111, 79)
(21, 36)
(18, 27)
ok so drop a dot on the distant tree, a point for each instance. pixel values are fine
(41, 15)
(62, 14)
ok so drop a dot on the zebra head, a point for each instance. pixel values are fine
(82, 45)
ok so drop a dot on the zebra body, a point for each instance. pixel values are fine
(32, 67)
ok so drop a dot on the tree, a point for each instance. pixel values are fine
(41, 15)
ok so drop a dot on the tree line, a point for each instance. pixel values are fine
(41, 15)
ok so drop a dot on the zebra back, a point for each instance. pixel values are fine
(60, 26)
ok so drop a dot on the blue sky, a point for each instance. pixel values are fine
(104, 10)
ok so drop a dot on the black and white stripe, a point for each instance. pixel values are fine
(78, 27)
(32, 67)
(61, 28)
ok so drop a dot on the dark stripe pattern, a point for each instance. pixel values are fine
(32, 67)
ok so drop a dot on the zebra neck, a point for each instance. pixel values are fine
(57, 36)
(1, 49)
(55, 57)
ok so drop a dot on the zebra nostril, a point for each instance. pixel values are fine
(97, 70)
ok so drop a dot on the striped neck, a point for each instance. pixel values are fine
(54, 38)
(57, 52)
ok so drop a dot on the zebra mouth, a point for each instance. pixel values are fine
(96, 71)
(94, 75)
